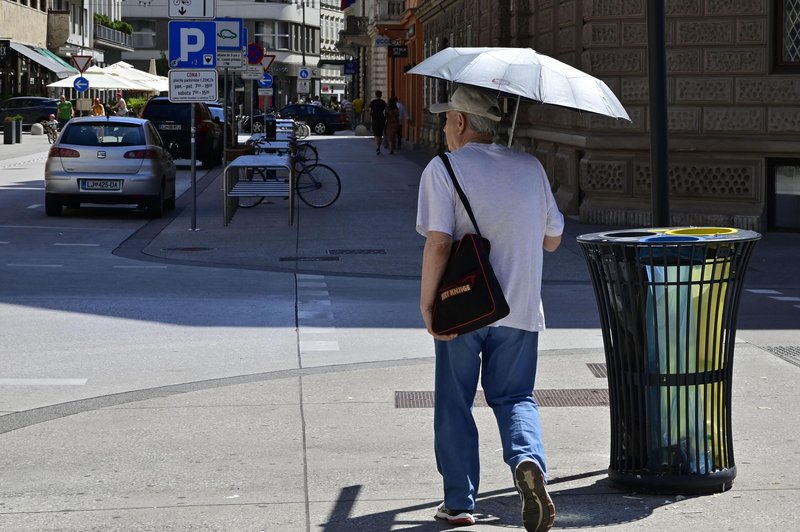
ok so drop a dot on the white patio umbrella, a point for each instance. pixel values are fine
(100, 79)
(524, 73)
(154, 81)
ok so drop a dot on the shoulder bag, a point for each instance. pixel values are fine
(469, 296)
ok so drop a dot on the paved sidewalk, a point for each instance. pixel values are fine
(344, 447)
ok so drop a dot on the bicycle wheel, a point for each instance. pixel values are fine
(247, 202)
(301, 130)
(318, 185)
(305, 155)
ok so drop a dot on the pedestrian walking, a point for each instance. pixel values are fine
(392, 123)
(377, 110)
(404, 118)
(347, 108)
(512, 202)
(358, 110)
(98, 109)
(64, 111)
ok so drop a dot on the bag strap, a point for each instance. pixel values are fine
(464, 200)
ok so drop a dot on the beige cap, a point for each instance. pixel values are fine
(471, 101)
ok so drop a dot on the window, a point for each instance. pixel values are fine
(273, 34)
(786, 30)
(784, 194)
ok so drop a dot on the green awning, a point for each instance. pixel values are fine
(57, 59)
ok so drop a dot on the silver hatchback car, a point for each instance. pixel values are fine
(109, 160)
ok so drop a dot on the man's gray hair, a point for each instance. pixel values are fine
(482, 125)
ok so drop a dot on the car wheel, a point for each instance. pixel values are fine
(320, 128)
(155, 207)
(52, 207)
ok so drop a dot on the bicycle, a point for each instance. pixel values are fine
(317, 185)
(301, 130)
(51, 130)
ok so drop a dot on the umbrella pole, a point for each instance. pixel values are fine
(513, 123)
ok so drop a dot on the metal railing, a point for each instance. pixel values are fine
(112, 36)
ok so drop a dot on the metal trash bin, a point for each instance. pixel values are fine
(668, 302)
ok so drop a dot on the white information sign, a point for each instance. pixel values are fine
(253, 72)
(230, 59)
(193, 85)
(303, 86)
(265, 92)
(191, 9)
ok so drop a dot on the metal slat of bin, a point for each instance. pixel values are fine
(234, 188)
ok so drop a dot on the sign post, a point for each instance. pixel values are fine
(192, 62)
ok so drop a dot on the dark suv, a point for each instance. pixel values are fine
(33, 109)
(172, 120)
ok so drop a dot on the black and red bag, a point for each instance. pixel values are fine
(469, 296)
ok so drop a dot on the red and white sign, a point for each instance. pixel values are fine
(82, 62)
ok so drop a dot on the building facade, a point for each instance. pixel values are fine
(733, 117)
(294, 33)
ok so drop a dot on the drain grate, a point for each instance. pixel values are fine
(598, 370)
(789, 353)
(357, 252)
(188, 249)
(307, 259)
(545, 398)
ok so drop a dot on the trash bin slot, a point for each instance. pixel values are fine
(686, 379)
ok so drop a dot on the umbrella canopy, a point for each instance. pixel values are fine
(100, 79)
(128, 71)
(524, 73)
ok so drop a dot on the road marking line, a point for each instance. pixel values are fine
(79, 245)
(309, 292)
(757, 291)
(18, 265)
(311, 284)
(785, 298)
(42, 382)
(5, 242)
(317, 330)
(311, 302)
(12, 187)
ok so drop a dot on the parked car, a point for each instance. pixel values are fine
(33, 109)
(109, 160)
(321, 120)
(217, 111)
(172, 120)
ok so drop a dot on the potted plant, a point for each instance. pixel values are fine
(12, 129)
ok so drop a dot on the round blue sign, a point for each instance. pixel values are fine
(266, 81)
(80, 84)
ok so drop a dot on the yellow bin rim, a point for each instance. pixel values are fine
(703, 231)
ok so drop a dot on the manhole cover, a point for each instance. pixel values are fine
(357, 251)
(545, 398)
(789, 353)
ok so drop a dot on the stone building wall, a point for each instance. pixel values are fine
(727, 112)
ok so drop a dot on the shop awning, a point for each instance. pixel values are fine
(67, 67)
(60, 70)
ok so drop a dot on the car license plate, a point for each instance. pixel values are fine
(170, 126)
(101, 184)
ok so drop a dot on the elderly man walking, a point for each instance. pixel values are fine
(514, 207)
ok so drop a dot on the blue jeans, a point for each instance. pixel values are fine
(505, 360)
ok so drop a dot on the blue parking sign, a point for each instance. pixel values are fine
(192, 44)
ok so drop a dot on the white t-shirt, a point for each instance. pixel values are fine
(512, 202)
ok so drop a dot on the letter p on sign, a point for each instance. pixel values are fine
(192, 40)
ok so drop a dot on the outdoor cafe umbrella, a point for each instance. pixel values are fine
(524, 73)
(101, 79)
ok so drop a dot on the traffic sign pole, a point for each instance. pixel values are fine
(194, 168)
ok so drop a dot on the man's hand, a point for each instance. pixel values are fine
(427, 317)
(434, 261)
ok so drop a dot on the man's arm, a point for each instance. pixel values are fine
(551, 243)
(434, 261)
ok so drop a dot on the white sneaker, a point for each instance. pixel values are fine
(455, 517)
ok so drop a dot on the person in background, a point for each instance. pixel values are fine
(97, 108)
(392, 123)
(377, 110)
(511, 198)
(404, 118)
(121, 107)
(347, 108)
(65, 111)
(358, 110)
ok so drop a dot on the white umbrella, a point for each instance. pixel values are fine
(128, 71)
(524, 73)
(100, 79)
